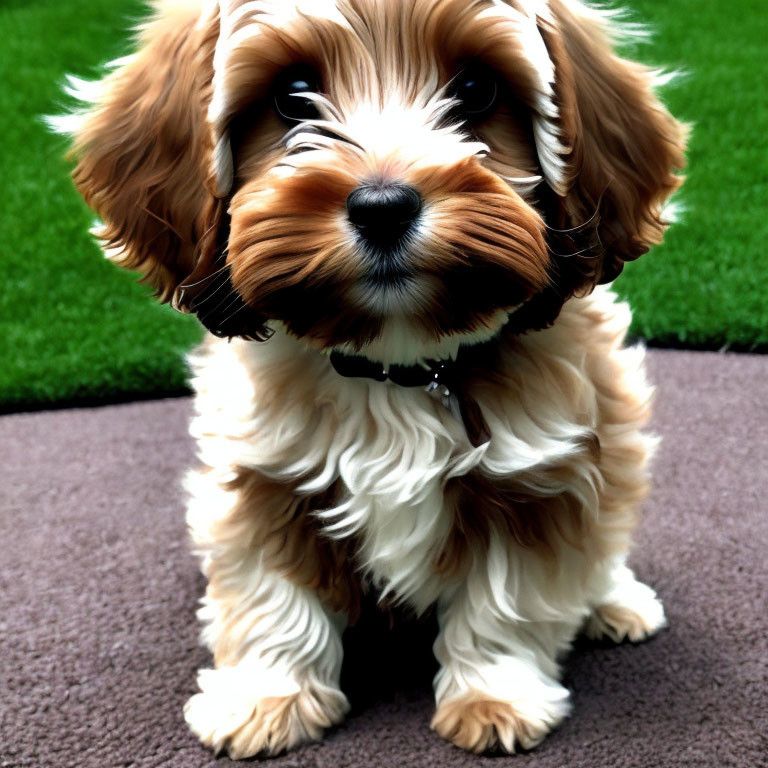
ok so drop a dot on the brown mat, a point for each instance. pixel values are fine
(98, 592)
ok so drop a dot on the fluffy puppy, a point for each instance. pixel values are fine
(392, 215)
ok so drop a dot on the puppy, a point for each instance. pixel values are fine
(395, 217)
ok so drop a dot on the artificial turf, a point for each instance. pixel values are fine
(707, 284)
(74, 327)
(77, 329)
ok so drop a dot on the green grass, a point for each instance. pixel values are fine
(707, 285)
(76, 329)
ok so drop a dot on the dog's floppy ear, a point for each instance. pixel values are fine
(143, 148)
(625, 147)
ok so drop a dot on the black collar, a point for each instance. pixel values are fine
(432, 374)
(447, 377)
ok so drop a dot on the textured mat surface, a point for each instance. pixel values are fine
(98, 592)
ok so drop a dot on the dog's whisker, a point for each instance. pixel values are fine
(225, 305)
(222, 322)
(210, 276)
(575, 253)
(575, 228)
(204, 298)
(587, 222)
(236, 300)
(202, 304)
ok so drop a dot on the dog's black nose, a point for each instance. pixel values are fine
(383, 213)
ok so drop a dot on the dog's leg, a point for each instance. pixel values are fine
(497, 685)
(624, 608)
(277, 648)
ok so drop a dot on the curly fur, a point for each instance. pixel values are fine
(314, 488)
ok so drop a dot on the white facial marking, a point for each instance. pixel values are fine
(241, 21)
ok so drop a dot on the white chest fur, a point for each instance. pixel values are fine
(283, 411)
(280, 409)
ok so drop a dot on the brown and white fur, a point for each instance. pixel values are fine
(314, 487)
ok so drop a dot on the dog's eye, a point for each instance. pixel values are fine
(476, 88)
(288, 102)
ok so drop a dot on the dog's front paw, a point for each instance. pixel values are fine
(235, 712)
(634, 613)
(478, 722)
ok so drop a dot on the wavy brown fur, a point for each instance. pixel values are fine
(625, 145)
(142, 151)
(544, 519)
(278, 522)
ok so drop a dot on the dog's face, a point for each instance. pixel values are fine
(339, 165)
(388, 189)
